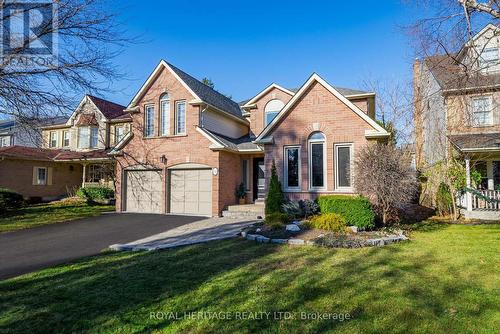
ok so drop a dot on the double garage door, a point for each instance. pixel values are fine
(189, 191)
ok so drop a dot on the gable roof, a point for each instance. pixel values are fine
(242, 144)
(199, 90)
(264, 92)
(109, 109)
(378, 130)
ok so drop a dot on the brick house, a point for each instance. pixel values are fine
(457, 115)
(74, 152)
(190, 146)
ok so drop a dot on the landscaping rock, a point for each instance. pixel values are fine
(244, 234)
(296, 242)
(354, 229)
(258, 230)
(279, 241)
(297, 222)
(251, 236)
(292, 228)
(262, 239)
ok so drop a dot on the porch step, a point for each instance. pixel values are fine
(250, 211)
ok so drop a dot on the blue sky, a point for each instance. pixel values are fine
(245, 45)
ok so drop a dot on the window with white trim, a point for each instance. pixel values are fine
(119, 133)
(488, 59)
(271, 110)
(343, 166)
(149, 120)
(53, 139)
(292, 167)
(317, 161)
(180, 117)
(65, 138)
(5, 141)
(482, 111)
(164, 115)
(87, 136)
(41, 176)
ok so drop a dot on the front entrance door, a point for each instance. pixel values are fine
(259, 179)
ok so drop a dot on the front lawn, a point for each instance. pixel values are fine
(445, 280)
(43, 214)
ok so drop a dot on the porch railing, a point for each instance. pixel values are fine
(485, 199)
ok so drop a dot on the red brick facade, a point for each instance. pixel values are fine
(317, 110)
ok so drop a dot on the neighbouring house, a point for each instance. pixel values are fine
(191, 146)
(457, 114)
(74, 153)
(27, 133)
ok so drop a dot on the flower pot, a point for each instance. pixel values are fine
(242, 201)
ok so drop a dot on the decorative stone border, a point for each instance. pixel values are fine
(300, 242)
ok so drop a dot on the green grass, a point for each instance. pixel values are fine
(445, 280)
(44, 214)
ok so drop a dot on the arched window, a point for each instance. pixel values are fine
(317, 161)
(164, 115)
(272, 109)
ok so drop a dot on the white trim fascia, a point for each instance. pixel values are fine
(83, 159)
(481, 149)
(250, 106)
(316, 78)
(215, 143)
(264, 92)
(475, 37)
(372, 134)
(121, 143)
(359, 96)
(152, 77)
(225, 113)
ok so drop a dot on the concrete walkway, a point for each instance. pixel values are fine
(205, 230)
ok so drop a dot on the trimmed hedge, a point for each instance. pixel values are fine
(356, 210)
(10, 200)
(95, 193)
(328, 221)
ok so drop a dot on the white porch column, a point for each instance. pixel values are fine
(84, 174)
(468, 195)
(489, 174)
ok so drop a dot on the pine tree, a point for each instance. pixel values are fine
(275, 197)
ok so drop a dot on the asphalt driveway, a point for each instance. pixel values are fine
(32, 249)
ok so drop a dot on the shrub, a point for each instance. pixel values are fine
(443, 199)
(293, 209)
(276, 220)
(328, 221)
(95, 193)
(10, 200)
(309, 208)
(356, 210)
(275, 197)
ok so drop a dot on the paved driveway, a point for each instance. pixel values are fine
(32, 249)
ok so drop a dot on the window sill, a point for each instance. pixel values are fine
(164, 137)
(292, 190)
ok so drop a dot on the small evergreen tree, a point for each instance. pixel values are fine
(275, 197)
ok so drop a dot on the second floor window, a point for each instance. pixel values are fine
(164, 115)
(53, 139)
(119, 134)
(488, 59)
(272, 109)
(149, 121)
(180, 118)
(87, 137)
(65, 138)
(5, 141)
(482, 111)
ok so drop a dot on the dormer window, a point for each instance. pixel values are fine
(272, 109)
(488, 59)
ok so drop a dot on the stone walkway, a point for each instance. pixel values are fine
(205, 230)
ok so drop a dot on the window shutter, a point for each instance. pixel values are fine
(49, 176)
(35, 170)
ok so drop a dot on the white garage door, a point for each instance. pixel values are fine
(191, 192)
(144, 191)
